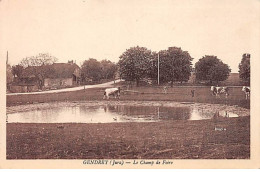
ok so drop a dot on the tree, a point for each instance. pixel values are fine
(39, 66)
(175, 65)
(91, 70)
(212, 69)
(134, 63)
(244, 68)
(17, 71)
(152, 71)
(108, 69)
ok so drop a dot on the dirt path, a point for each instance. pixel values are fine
(68, 89)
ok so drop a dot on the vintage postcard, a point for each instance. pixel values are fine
(130, 84)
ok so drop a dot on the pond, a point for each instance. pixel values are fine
(114, 113)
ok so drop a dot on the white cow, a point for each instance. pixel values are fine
(112, 91)
(165, 88)
(246, 90)
(219, 90)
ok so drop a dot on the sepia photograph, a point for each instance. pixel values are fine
(129, 84)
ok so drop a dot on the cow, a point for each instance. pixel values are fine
(246, 90)
(219, 90)
(112, 91)
(165, 88)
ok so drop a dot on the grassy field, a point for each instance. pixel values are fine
(180, 94)
(160, 140)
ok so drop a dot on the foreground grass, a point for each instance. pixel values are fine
(167, 139)
(179, 94)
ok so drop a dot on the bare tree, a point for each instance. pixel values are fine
(39, 66)
(39, 60)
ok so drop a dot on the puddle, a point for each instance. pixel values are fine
(113, 113)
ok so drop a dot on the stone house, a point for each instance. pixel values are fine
(63, 75)
(55, 76)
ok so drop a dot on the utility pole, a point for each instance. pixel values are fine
(158, 69)
(7, 58)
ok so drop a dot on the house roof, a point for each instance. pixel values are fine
(56, 70)
(63, 70)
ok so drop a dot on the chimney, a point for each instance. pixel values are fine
(70, 61)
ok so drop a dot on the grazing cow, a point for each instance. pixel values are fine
(246, 90)
(165, 88)
(112, 91)
(148, 81)
(219, 90)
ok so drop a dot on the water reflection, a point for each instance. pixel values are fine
(199, 114)
(110, 114)
(195, 115)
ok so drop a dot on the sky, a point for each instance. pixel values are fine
(104, 29)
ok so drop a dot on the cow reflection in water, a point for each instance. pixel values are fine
(217, 115)
(110, 108)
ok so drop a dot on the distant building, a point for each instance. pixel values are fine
(192, 78)
(55, 76)
(63, 75)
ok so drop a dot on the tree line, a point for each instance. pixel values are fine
(93, 70)
(175, 65)
(138, 63)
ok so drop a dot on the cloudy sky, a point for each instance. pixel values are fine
(104, 29)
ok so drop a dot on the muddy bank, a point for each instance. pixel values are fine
(205, 106)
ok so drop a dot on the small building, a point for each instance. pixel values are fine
(62, 75)
(46, 77)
